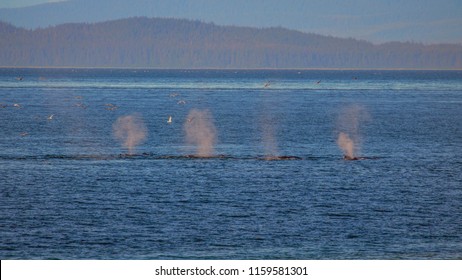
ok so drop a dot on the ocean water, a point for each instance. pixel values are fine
(248, 168)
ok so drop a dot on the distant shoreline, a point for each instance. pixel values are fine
(154, 43)
(228, 69)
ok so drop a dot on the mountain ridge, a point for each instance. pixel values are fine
(180, 43)
(378, 22)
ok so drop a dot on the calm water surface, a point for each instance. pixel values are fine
(70, 190)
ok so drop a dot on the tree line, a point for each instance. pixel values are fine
(174, 43)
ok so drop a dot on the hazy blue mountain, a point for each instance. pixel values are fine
(427, 21)
(172, 43)
(81, 11)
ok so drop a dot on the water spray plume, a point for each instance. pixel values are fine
(269, 140)
(200, 131)
(348, 126)
(130, 131)
(347, 145)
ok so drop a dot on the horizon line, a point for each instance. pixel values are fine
(230, 69)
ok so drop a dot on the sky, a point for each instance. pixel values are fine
(378, 21)
(23, 3)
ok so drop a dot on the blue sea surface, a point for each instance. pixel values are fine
(276, 185)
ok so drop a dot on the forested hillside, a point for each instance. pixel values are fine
(173, 43)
